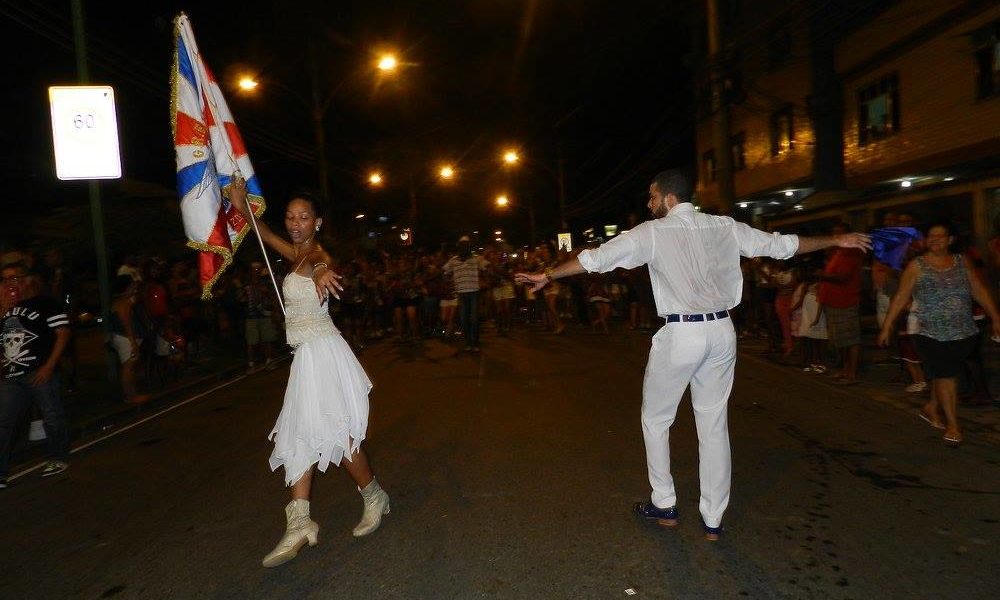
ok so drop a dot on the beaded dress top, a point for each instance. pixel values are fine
(306, 317)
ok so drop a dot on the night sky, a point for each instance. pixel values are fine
(602, 85)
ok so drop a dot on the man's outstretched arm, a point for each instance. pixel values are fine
(860, 241)
(539, 280)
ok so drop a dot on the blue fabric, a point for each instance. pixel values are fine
(184, 66)
(890, 245)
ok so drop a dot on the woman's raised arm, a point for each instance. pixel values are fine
(238, 196)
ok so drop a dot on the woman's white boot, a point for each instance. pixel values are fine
(301, 530)
(376, 505)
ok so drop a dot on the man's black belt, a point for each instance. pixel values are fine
(722, 314)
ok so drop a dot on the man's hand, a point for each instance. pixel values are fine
(860, 241)
(327, 283)
(536, 280)
(43, 374)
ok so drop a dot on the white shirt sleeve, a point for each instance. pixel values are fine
(754, 242)
(629, 250)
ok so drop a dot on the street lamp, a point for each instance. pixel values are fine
(511, 158)
(318, 105)
(375, 178)
(502, 201)
(447, 172)
(247, 83)
(387, 62)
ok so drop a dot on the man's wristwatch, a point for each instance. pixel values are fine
(548, 274)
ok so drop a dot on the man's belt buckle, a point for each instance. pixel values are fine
(693, 318)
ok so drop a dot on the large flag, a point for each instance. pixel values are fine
(209, 152)
(890, 245)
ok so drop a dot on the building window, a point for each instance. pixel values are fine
(782, 131)
(987, 56)
(708, 164)
(737, 144)
(779, 46)
(878, 110)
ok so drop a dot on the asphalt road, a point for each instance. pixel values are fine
(512, 474)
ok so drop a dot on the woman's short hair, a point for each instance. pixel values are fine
(311, 197)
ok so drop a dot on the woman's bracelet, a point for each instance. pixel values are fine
(320, 264)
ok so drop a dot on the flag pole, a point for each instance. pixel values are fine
(267, 261)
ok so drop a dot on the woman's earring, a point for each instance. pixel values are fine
(317, 228)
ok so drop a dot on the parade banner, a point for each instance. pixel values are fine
(210, 151)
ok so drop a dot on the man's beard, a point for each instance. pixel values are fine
(660, 210)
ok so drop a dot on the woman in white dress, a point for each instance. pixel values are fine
(324, 417)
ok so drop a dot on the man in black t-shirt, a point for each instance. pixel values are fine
(35, 332)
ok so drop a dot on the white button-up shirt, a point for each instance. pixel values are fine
(693, 258)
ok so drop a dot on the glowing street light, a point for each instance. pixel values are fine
(497, 232)
(502, 201)
(360, 216)
(446, 172)
(510, 157)
(247, 83)
(387, 63)
(375, 178)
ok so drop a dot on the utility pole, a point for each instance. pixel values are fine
(319, 133)
(720, 111)
(93, 188)
(562, 196)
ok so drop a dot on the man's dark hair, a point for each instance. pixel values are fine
(674, 181)
(311, 197)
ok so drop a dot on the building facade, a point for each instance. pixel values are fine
(918, 94)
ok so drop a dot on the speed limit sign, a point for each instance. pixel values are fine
(85, 132)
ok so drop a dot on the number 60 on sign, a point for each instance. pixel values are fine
(85, 132)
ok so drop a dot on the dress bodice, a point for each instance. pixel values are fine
(306, 318)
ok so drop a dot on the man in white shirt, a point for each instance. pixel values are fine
(694, 265)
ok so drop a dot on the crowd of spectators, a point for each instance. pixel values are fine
(811, 313)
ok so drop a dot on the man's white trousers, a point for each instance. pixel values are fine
(704, 355)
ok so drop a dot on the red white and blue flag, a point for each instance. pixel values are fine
(209, 151)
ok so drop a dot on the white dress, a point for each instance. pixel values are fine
(810, 308)
(325, 413)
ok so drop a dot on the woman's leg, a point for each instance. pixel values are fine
(358, 468)
(411, 316)
(783, 310)
(946, 392)
(397, 321)
(375, 499)
(553, 312)
(915, 371)
(300, 528)
(603, 312)
(303, 487)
